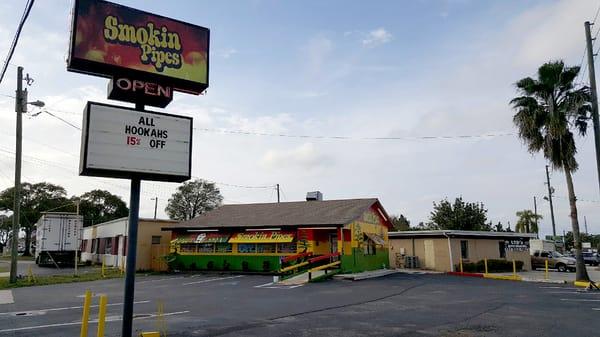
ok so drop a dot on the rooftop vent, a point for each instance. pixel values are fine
(314, 196)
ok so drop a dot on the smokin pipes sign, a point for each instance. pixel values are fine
(121, 142)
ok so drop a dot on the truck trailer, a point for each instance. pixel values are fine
(58, 236)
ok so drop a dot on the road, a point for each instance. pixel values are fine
(233, 305)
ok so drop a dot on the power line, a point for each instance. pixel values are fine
(16, 38)
(62, 120)
(265, 134)
(331, 137)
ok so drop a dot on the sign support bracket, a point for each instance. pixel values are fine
(132, 233)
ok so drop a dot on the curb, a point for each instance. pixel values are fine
(457, 273)
(514, 278)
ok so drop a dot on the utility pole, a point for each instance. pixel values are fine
(20, 102)
(585, 222)
(277, 193)
(535, 214)
(155, 206)
(592, 73)
(551, 205)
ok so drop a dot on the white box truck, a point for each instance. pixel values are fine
(58, 237)
(541, 245)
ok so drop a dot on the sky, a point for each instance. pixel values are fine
(404, 69)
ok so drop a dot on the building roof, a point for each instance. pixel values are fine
(297, 213)
(458, 233)
(126, 219)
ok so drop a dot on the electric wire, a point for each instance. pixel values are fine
(13, 46)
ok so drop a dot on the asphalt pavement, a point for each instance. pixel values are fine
(250, 305)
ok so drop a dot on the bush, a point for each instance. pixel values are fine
(494, 266)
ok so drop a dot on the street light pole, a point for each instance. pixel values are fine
(155, 206)
(17, 193)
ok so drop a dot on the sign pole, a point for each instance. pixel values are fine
(134, 213)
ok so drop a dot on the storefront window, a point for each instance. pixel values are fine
(188, 248)
(223, 247)
(265, 248)
(286, 248)
(206, 248)
(247, 248)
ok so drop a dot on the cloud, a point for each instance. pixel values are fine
(377, 37)
(227, 53)
(317, 50)
(305, 157)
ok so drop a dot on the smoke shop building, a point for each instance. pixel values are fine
(266, 237)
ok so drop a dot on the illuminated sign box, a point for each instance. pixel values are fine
(121, 142)
(111, 40)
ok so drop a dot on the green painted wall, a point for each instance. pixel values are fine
(255, 263)
(358, 262)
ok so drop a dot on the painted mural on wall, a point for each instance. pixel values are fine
(369, 227)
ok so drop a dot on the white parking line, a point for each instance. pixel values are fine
(213, 279)
(108, 319)
(597, 309)
(263, 285)
(64, 308)
(572, 292)
(578, 300)
(552, 287)
(161, 279)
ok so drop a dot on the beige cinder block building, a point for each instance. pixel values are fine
(107, 242)
(441, 250)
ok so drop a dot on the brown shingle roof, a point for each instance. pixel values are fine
(297, 213)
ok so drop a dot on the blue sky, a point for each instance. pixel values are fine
(331, 68)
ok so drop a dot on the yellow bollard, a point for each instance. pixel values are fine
(86, 313)
(461, 265)
(101, 316)
(29, 274)
(546, 269)
(514, 269)
(485, 264)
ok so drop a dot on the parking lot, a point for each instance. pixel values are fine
(396, 305)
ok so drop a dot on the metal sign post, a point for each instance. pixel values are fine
(132, 233)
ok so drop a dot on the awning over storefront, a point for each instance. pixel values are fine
(202, 238)
(262, 237)
(376, 238)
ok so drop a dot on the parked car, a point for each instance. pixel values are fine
(555, 260)
(591, 258)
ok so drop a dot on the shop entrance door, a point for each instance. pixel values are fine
(333, 248)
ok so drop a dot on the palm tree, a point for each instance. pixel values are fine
(549, 110)
(528, 222)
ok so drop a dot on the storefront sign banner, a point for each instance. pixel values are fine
(517, 245)
(262, 236)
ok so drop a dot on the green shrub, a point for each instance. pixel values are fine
(494, 266)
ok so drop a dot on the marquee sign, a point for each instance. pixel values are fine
(112, 40)
(121, 142)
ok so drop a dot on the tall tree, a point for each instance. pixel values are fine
(461, 215)
(400, 223)
(97, 206)
(35, 199)
(192, 199)
(549, 109)
(527, 222)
